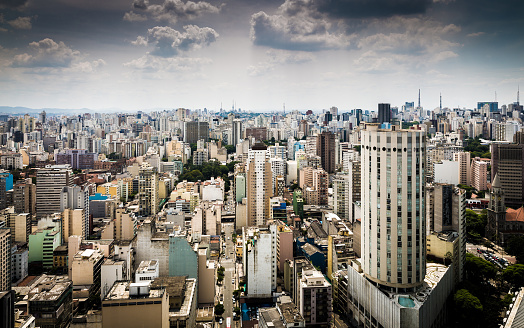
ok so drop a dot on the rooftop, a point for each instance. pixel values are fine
(120, 291)
(175, 286)
(50, 288)
(290, 313)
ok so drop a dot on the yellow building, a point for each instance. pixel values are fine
(109, 189)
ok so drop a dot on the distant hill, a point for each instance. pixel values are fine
(52, 111)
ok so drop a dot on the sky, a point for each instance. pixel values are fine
(259, 55)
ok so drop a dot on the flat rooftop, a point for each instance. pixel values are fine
(50, 288)
(120, 291)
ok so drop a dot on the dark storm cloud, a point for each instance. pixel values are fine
(140, 4)
(324, 24)
(371, 8)
(15, 4)
(294, 33)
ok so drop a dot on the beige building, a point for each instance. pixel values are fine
(206, 278)
(72, 224)
(148, 190)
(464, 160)
(393, 216)
(259, 185)
(86, 270)
(479, 173)
(5, 259)
(24, 197)
(135, 305)
(123, 227)
(20, 225)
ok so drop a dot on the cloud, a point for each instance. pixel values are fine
(473, 35)
(21, 23)
(368, 8)
(14, 4)
(416, 36)
(88, 67)
(300, 32)
(279, 57)
(47, 55)
(134, 17)
(169, 42)
(170, 11)
(152, 64)
(140, 41)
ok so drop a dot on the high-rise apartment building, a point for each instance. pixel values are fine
(346, 191)
(236, 131)
(259, 185)
(507, 161)
(148, 190)
(75, 198)
(5, 259)
(464, 160)
(479, 173)
(326, 150)
(384, 113)
(50, 182)
(24, 197)
(194, 131)
(393, 215)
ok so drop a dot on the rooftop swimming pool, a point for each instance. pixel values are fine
(406, 301)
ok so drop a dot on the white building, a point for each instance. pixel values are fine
(260, 260)
(446, 172)
(393, 213)
(147, 271)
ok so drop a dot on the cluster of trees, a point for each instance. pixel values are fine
(476, 149)
(515, 246)
(480, 299)
(207, 170)
(475, 226)
(220, 274)
(470, 190)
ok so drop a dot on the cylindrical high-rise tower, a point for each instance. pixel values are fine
(393, 213)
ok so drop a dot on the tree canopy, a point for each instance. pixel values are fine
(468, 307)
(514, 274)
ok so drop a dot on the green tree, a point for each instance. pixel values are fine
(514, 274)
(479, 270)
(468, 308)
(515, 246)
(475, 226)
(219, 309)
(230, 149)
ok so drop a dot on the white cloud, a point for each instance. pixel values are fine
(47, 56)
(473, 35)
(134, 17)
(169, 42)
(21, 23)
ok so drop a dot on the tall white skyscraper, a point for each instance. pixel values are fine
(259, 185)
(393, 214)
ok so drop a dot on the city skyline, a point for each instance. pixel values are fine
(307, 54)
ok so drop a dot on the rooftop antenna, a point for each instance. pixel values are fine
(441, 101)
(518, 95)
(418, 97)
(495, 95)
(284, 106)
